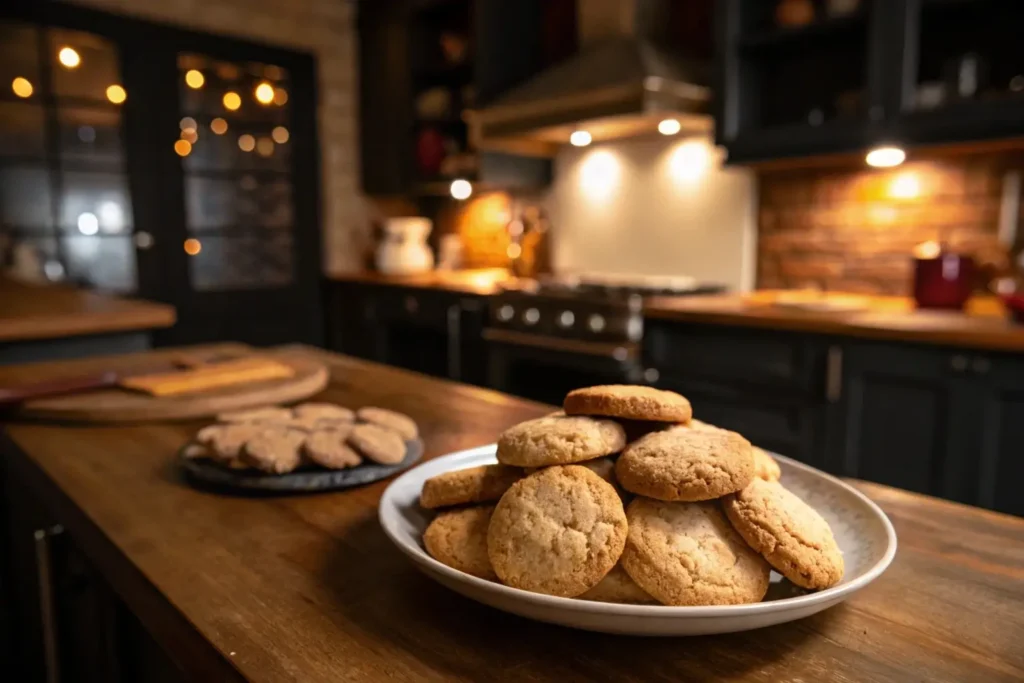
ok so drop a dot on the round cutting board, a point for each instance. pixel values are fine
(121, 405)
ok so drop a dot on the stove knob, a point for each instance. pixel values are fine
(566, 319)
(596, 322)
(531, 317)
(505, 313)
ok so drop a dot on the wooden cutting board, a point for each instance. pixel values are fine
(121, 405)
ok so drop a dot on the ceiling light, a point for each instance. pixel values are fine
(69, 57)
(669, 126)
(580, 138)
(461, 189)
(885, 157)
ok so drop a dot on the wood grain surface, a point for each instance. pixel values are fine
(984, 325)
(34, 312)
(117, 405)
(308, 589)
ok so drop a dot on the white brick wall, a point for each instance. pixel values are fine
(327, 28)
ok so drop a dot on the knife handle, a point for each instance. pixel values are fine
(56, 387)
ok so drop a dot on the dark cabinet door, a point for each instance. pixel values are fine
(902, 420)
(1001, 400)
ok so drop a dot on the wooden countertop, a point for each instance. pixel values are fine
(31, 312)
(308, 588)
(984, 325)
(481, 282)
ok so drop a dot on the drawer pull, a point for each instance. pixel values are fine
(47, 599)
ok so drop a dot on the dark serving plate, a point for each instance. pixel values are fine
(206, 472)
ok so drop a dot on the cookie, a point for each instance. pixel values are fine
(689, 554)
(482, 484)
(326, 447)
(275, 449)
(458, 538)
(618, 586)
(268, 414)
(629, 402)
(791, 535)
(765, 466)
(559, 440)
(558, 531)
(683, 464)
(224, 442)
(323, 412)
(396, 422)
(377, 443)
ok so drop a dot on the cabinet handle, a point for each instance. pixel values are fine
(981, 365)
(959, 363)
(834, 374)
(47, 599)
(454, 342)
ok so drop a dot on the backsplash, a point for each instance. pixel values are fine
(853, 229)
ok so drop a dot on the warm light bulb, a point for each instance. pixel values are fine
(194, 79)
(280, 135)
(885, 157)
(580, 138)
(69, 57)
(183, 148)
(906, 185)
(264, 93)
(22, 87)
(599, 175)
(193, 246)
(461, 189)
(116, 94)
(219, 126)
(669, 126)
(231, 100)
(689, 162)
(246, 143)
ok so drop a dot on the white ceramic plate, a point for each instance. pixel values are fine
(862, 530)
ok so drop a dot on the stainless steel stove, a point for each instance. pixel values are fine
(551, 335)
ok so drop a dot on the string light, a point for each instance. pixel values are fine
(187, 123)
(280, 135)
(461, 189)
(265, 147)
(193, 246)
(246, 143)
(231, 100)
(69, 57)
(22, 87)
(183, 148)
(116, 94)
(194, 79)
(219, 126)
(264, 93)
(280, 96)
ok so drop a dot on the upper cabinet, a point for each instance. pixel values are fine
(812, 77)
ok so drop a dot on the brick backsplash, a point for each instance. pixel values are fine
(853, 229)
(327, 29)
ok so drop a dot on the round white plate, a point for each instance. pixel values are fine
(862, 530)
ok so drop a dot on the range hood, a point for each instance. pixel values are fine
(625, 79)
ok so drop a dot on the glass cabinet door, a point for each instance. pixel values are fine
(65, 209)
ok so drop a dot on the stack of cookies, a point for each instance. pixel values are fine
(279, 440)
(624, 497)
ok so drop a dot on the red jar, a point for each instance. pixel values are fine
(945, 281)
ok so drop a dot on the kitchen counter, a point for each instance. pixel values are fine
(309, 589)
(30, 312)
(984, 325)
(481, 282)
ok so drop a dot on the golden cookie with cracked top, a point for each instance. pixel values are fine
(224, 442)
(275, 449)
(404, 425)
(688, 554)
(483, 484)
(684, 464)
(788, 532)
(267, 414)
(765, 466)
(559, 440)
(458, 538)
(323, 412)
(326, 447)
(558, 531)
(629, 402)
(379, 444)
(618, 586)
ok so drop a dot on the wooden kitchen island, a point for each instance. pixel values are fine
(156, 581)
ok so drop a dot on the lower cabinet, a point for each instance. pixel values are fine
(945, 422)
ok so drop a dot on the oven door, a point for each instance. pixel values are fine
(545, 368)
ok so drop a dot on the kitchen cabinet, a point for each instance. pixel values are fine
(943, 421)
(911, 72)
(433, 331)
